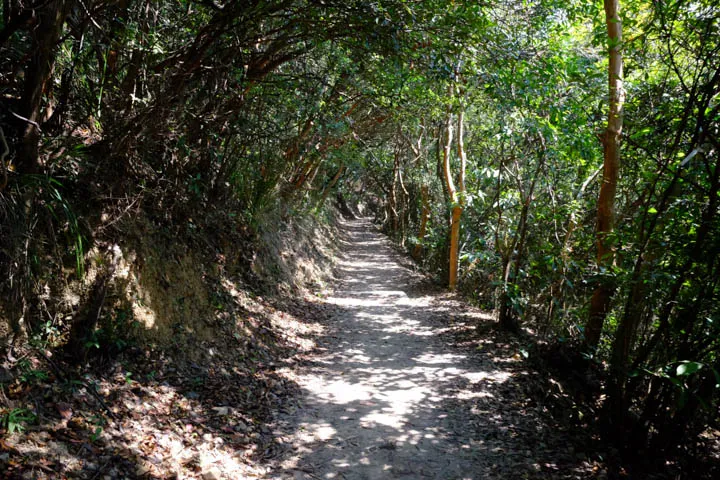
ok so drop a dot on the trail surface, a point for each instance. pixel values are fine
(392, 394)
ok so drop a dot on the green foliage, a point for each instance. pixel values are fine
(28, 374)
(74, 233)
(688, 368)
(15, 420)
(176, 110)
(33, 376)
(114, 334)
(533, 101)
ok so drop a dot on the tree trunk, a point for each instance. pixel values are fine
(392, 200)
(331, 185)
(508, 319)
(506, 316)
(449, 187)
(456, 195)
(403, 204)
(458, 199)
(515, 255)
(454, 245)
(129, 90)
(452, 196)
(627, 329)
(51, 19)
(425, 216)
(602, 296)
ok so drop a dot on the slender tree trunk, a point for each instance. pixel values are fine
(458, 199)
(515, 254)
(314, 172)
(425, 216)
(403, 203)
(629, 323)
(447, 146)
(393, 197)
(602, 296)
(454, 245)
(507, 317)
(572, 221)
(292, 153)
(462, 156)
(131, 87)
(557, 290)
(452, 194)
(51, 18)
(331, 185)
(456, 195)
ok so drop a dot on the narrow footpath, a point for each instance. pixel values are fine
(393, 394)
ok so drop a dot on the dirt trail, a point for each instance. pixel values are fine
(390, 397)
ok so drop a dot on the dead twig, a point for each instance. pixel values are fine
(101, 469)
(90, 387)
(93, 391)
(31, 122)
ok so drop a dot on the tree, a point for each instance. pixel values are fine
(602, 296)
(482, 115)
(456, 194)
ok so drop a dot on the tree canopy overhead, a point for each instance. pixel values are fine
(557, 162)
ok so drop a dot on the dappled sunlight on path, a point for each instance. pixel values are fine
(387, 397)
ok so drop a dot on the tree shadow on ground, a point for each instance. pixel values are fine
(163, 413)
(389, 397)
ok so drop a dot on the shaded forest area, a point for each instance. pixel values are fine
(556, 162)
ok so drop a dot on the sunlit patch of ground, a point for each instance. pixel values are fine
(159, 414)
(387, 397)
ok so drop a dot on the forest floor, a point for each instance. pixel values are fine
(384, 376)
(409, 382)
